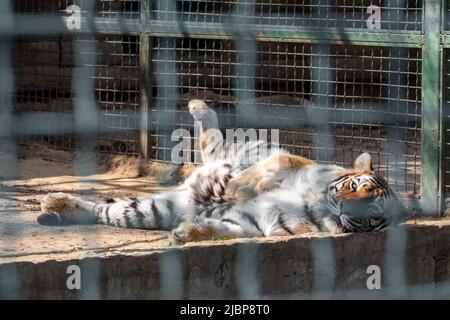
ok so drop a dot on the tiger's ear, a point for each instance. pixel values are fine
(364, 162)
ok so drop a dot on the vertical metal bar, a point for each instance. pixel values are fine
(145, 84)
(323, 82)
(395, 263)
(87, 120)
(246, 48)
(322, 89)
(168, 82)
(8, 145)
(247, 271)
(246, 51)
(10, 281)
(172, 276)
(398, 107)
(431, 108)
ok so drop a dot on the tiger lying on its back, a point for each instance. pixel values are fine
(282, 194)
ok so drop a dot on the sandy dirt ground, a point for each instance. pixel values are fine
(43, 170)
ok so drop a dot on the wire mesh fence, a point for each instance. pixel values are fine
(44, 89)
(303, 67)
(44, 66)
(372, 92)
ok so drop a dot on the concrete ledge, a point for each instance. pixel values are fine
(283, 267)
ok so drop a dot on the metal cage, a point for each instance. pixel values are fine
(367, 89)
(327, 74)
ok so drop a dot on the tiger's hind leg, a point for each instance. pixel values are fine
(263, 176)
(61, 208)
(157, 212)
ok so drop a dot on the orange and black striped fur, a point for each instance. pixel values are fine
(248, 189)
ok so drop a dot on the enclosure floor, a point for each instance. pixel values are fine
(23, 239)
(43, 170)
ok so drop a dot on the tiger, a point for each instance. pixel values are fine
(244, 190)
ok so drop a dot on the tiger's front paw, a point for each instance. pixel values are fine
(58, 202)
(190, 231)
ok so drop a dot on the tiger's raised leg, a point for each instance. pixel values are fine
(263, 176)
(211, 140)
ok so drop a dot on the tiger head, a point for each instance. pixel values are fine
(362, 200)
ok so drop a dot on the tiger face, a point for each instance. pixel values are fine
(361, 199)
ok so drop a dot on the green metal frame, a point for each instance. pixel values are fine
(432, 54)
(30, 25)
(431, 40)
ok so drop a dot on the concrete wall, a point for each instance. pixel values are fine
(285, 267)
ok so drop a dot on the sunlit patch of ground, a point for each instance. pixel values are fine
(22, 238)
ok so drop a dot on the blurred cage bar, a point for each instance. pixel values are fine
(446, 105)
(286, 60)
